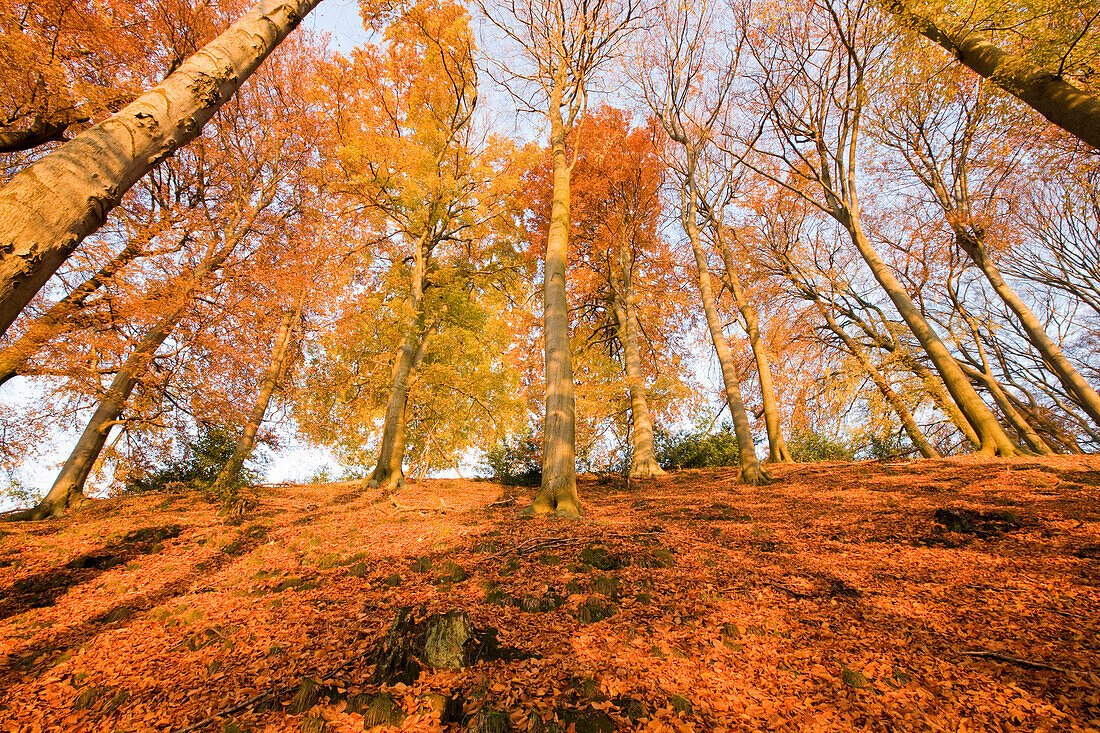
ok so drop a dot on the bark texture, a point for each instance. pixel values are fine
(280, 353)
(751, 471)
(48, 208)
(1073, 109)
(777, 445)
(559, 481)
(892, 397)
(643, 461)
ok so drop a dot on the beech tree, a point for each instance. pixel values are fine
(950, 136)
(627, 299)
(49, 207)
(562, 47)
(1048, 88)
(688, 99)
(812, 104)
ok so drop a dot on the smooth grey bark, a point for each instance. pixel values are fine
(67, 490)
(643, 461)
(777, 445)
(558, 492)
(49, 207)
(280, 351)
(752, 472)
(56, 320)
(888, 393)
(1065, 105)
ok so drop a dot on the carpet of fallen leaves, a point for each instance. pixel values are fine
(830, 600)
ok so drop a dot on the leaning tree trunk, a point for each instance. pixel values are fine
(888, 393)
(388, 474)
(48, 208)
(777, 445)
(279, 353)
(1071, 379)
(992, 437)
(751, 471)
(68, 489)
(559, 481)
(1067, 106)
(643, 461)
(56, 320)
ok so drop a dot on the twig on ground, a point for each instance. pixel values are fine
(986, 654)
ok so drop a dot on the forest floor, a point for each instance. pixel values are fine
(836, 598)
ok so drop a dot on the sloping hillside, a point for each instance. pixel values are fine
(953, 594)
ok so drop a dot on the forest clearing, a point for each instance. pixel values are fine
(842, 596)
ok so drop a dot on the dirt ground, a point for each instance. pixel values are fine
(955, 594)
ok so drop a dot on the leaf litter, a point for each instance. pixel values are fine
(955, 594)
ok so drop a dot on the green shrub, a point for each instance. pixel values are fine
(202, 461)
(515, 462)
(807, 446)
(699, 449)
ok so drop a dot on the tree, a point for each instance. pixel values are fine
(812, 103)
(949, 134)
(564, 45)
(1045, 89)
(416, 165)
(688, 98)
(49, 207)
(625, 298)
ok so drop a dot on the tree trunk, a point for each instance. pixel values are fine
(48, 208)
(388, 474)
(559, 482)
(643, 462)
(1074, 110)
(992, 437)
(751, 471)
(892, 398)
(68, 489)
(55, 321)
(279, 353)
(1014, 418)
(1070, 378)
(777, 446)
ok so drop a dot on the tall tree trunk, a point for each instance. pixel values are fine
(751, 471)
(1071, 379)
(993, 439)
(388, 474)
(48, 208)
(1073, 109)
(643, 461)
(68, 489)
(280, 350)
(777, 445)
(55, 321)
(892, 397)
(559, 481)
